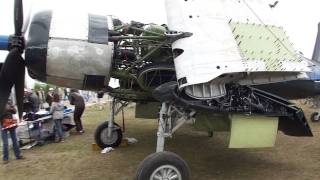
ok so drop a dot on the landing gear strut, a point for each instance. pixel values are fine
(163, 164)
(109, 134)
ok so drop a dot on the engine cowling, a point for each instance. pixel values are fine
(70, 51)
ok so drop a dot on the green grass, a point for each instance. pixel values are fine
(208, 158)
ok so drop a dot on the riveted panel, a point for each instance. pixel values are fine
(265, 44)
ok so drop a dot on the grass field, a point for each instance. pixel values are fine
(209, 158)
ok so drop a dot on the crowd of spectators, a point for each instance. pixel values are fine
(54, 102)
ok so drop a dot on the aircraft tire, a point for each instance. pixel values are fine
(100, 136)
(158, 164)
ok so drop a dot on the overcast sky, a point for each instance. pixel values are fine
(298, 17)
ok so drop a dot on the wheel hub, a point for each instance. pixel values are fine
(166, 172)
(109, 140)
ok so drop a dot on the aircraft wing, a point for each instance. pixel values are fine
(231, 37)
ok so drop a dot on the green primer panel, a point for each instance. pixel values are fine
(148, 110)
(253, 131)
(206, 121)
(264, 43)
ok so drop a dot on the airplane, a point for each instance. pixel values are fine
(224, 64)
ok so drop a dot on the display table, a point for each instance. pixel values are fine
(39, 127)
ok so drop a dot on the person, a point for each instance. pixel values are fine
(34, 99)
(77, 100)
(56, 110)
(31, 101)
(66, 96)
(49, 97)
(60, 92)
(41, 98)
(8, 125)
(27, 104)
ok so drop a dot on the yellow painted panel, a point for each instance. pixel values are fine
(253, 131)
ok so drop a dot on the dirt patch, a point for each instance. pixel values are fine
(208, 158)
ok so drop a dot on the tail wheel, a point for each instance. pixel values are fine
(163, 165)
(314, 117)
(102, 139)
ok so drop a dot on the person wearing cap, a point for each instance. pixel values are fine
(8, 125)
(77, 100)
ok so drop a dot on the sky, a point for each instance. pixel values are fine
(298, 17)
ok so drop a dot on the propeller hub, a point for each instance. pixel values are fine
(16, 42)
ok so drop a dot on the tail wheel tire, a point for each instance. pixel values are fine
(314, 117)
(163, 165)
(102, 139)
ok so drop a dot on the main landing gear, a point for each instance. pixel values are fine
(164, 165)
(109, 134)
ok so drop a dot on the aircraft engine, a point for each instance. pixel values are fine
(70, 51)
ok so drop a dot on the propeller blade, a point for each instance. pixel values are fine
(8, 76)
(27, 20)
(19, 85)
(18, 17)
(316, 50)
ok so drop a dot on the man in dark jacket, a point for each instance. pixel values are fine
(77, 100)
(31, 101)
(34, 99)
